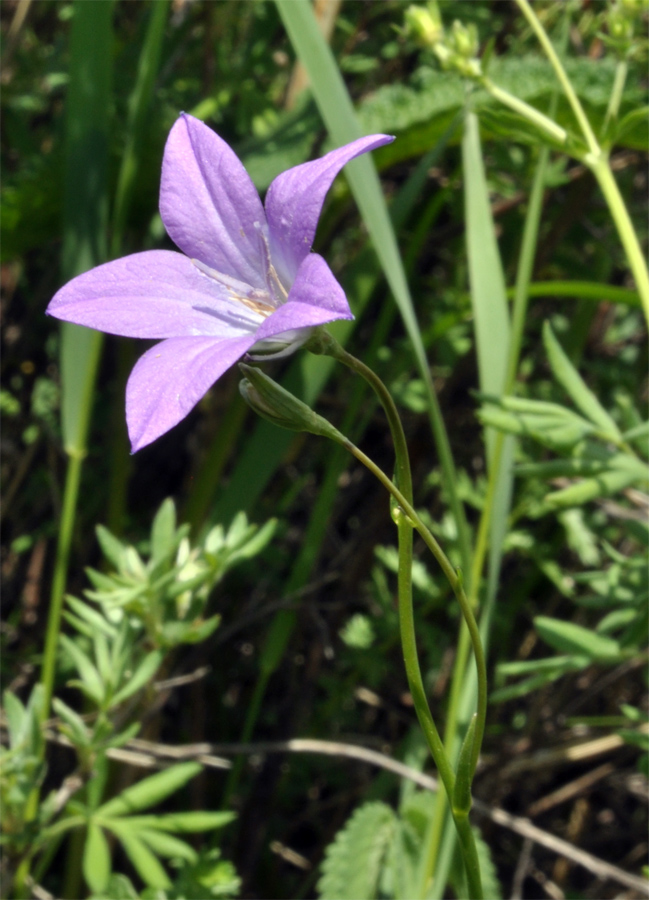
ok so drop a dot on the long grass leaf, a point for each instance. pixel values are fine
(84, 245)
(338, 113)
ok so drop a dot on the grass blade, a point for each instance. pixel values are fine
(338, 113)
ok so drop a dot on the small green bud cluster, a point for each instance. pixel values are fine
(457, 49)
(623, 21)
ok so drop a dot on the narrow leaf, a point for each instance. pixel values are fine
(572, 382)
(96, 859)
(570, 638)
(145, 862)
(487, 282)
(150, 790)
(142, 675)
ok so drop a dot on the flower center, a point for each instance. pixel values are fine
(258, 301)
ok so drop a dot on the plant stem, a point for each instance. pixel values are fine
(637, 263)
(406, 518)
(560, 72)
(542, 122)
(406, 511)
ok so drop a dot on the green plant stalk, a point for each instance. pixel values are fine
(597, 161)
(406, 616)
(406, 519)
(542, 122)
(560, 72)
(620, 215)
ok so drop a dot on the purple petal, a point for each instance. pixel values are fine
(156, 294)
(169, 380)
(209, 205)
(294, 202)
(315, 299)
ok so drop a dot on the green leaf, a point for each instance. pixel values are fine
(546, 675)
(91, 682)
(16, 715)
(142, 675)
(167, 845)
(184, 823)
(602, 485)
(145, 862)
(96, 859)
(78, 731)
(550, 424)
(353, 862)
(570, 638)
(163, 533)
(150, 790)
(487, 282)
(112, 548)
(574, 385)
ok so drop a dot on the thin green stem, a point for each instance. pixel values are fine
(70, 496)
(406, 518)
(405, 523)
(560, 72)
(615, 99)
(543, 122)
(637, 263)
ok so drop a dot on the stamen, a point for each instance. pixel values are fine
(272, 278)
(239, 291)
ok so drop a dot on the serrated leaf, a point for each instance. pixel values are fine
(574, 385)
(142, 675)
(150, 790)
(353, 862)
(96, 859)
(570, 638)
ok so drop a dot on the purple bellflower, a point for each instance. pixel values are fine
(245, 282)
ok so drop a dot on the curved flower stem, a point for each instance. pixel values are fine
(406, 519)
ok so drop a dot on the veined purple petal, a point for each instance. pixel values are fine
(169, 380)
(208, 203)
(315, 299)
(155, 294)
(294, 201)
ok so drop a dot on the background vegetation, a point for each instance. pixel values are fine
(305, 644)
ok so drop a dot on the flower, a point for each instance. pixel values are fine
(245, 282)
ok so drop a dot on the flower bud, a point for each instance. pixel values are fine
(424, 24)
(277, 405)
